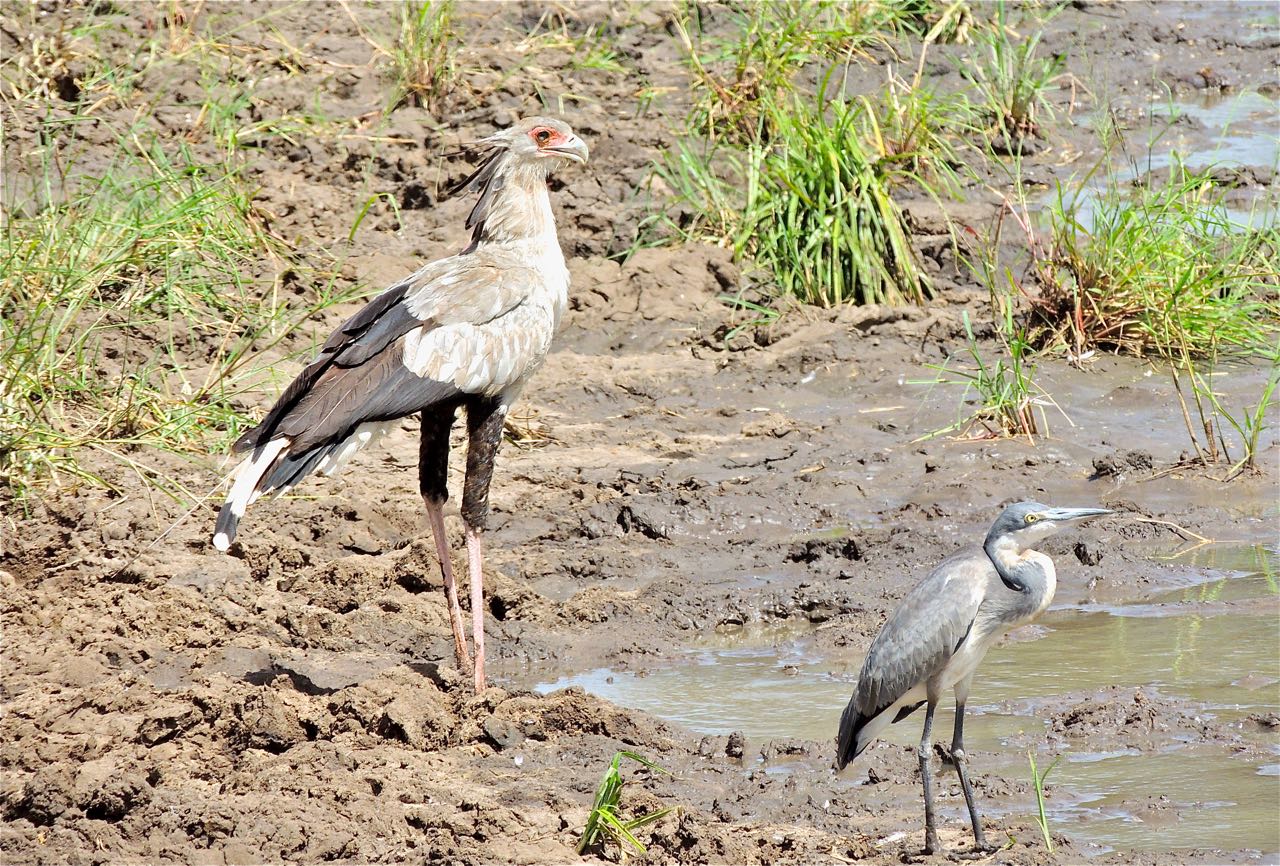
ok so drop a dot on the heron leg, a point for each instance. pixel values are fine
(931, 844)
(484, 423)
(433, 477)
(962, 769)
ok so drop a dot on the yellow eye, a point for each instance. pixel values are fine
(1032, 518)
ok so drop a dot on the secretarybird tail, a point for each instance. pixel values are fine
(247, 486)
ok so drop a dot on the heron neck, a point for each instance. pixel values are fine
(1018, 572)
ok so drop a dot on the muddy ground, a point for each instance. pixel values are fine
(297, 701)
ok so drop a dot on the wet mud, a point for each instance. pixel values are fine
(684, 498)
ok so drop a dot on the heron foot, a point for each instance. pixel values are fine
(932, 847)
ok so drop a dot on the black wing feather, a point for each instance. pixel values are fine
(359, 338)
(381, 321)
(346, 397)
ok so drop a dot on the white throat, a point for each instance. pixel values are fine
(521, 208)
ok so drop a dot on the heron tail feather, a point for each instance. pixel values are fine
(847, 747)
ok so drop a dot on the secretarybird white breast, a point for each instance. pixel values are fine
(464, 332)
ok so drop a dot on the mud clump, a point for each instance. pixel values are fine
(1117, 464)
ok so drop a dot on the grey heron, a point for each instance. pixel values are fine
(938, 636)
(464, 332)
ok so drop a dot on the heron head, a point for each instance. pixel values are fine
(541, 138)
(1025, 523)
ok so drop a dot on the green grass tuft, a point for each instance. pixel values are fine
(819, 215)
(423, 61)
(1003, 395)
(1157, 269)
(737, 81)
(107, 282)
(1012, 81)
(604, 822)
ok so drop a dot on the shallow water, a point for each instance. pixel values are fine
(1212, 644)
(1243, 130)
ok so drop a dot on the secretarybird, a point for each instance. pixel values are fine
(463, 332)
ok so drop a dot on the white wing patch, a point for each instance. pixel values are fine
(248, 474)
(365, 434)
(480, 359)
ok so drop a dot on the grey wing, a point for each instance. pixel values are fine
(459, 326)
(923, 633)
(361, 373)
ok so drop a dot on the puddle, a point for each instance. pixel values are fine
(1226, 112)
(1243, 131)
(1213, 643)
(1256, 20)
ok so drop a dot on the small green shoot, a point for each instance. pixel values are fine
(604, 823)
(1006, 390)
(596, 49)
(757, 315)
(369, 203)
(1037, 781)
(911, 130)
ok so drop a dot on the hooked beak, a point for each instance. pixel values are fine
(574, 149)
(1062, 515)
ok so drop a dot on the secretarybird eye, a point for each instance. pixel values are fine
(542, 136)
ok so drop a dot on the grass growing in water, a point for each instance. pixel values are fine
(1157, 270)
(604, 822)
(1208, 430)
(1037, 782)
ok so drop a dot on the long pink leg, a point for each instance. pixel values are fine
(435, 514)
(475, 565)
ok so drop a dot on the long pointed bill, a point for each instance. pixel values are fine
(1064, 514)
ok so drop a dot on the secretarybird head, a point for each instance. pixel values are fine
(464, 332)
